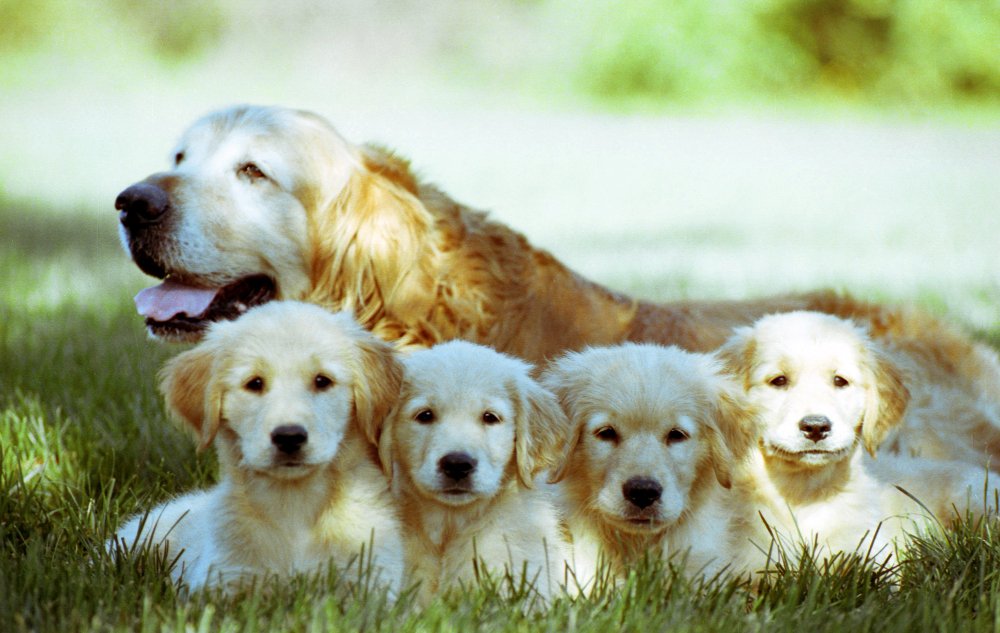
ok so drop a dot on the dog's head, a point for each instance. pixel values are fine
(278, 389)
(469, 421)
(266, 203)
(820, 383)
(653, 428)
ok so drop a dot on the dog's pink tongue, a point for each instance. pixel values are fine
(169, 299)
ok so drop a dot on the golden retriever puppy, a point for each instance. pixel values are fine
(264, 202)
(470, 435)
(824, 390)
(282, 393)
(657, 435)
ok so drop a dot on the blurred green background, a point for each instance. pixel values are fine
(728, 148)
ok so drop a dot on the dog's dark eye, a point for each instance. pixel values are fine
(322, 383)
(255, 384)
(178, 158)
(491, 418)
(251, 171)
(676, 435)
(840, 382)
(606, 434)
(425, 416)
(778, 381)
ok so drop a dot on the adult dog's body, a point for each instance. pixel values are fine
(470, 435)
(267, 203)
(281, 393)
(823, 390)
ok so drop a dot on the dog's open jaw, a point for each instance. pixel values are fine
(180, 312)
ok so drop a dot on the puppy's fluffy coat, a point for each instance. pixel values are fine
(470, 435)
(281, 393)
(656, 435)
(824, 389)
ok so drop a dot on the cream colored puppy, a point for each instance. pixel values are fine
(470, 435)
(657, 434)
(282, 394)
(824, 390)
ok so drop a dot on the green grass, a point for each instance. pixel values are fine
(86, 443)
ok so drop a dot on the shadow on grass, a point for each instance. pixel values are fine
(36, 231)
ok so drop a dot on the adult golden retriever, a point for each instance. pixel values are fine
(470, 435)
(658, 435)
(267, 202)
(282, 393)
(823, 390)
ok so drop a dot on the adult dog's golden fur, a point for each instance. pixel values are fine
(282, 394)
(657, 437)
(471, 434)
(823, 390)
(278, 197)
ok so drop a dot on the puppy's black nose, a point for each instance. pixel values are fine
(457, 466)
(642, 491)
(815, 427)
(289, 438)
(142, 204)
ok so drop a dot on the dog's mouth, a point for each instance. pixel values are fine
(638, 522)
(641, 524)
(287, 469)
(181, 312)
(455, 495)
(815, 456)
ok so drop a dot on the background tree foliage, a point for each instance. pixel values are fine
(887, 49)
(661, 50)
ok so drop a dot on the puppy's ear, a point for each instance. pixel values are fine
(567, 379)
(737, 354)
(378, 377)
(193, 396)
(385, 445)
(561, 466)
(540, 427)
(735, 430)
(885, 402)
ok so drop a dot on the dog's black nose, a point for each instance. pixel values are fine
(289, 438)
(815, 427)
(457, 466)
(642, 491)
(142, 204)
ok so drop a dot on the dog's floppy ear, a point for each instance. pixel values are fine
(192, 393)
(374, 246)
(567, 378)
(385, 445)
(734, 431)
(540, 426)
(886, 400)
(737, 354)
(378, 376)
